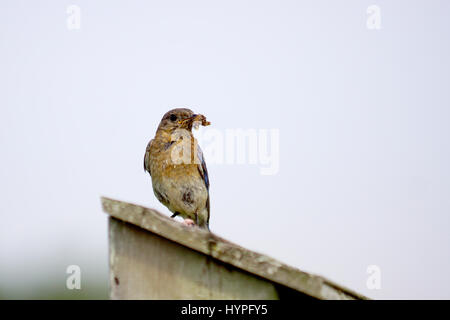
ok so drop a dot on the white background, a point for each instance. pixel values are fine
(363, 117)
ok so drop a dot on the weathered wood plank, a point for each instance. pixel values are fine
(146, 266)
(224, 251)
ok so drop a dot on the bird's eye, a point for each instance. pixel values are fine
(173, 117)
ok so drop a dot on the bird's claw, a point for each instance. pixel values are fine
(188, 222)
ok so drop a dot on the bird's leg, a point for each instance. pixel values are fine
(186, 222)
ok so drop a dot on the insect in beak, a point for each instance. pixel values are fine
(194, 121)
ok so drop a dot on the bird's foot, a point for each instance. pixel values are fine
(189, 222)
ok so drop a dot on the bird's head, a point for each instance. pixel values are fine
(181, 118)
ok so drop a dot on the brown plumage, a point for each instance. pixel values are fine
(177, 167)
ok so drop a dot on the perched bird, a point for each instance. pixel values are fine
(176, 165)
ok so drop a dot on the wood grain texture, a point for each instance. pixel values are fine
(146, 266)
(135, 250)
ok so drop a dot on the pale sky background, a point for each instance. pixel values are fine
(363, 117)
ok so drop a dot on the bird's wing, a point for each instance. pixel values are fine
(202, 167)
(147, 157)
(204, 174)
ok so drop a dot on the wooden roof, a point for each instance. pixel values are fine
(227, 252)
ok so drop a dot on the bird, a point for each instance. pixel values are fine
(177, 167)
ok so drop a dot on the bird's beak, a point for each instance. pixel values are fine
(194, 120)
